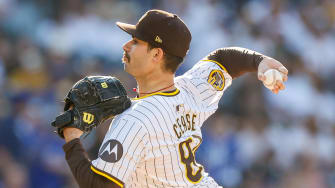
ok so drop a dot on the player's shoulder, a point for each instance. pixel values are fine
(204, 70)
(200, 69)
(206, 64)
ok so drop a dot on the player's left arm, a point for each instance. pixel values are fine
(238, 61)
(80, 166)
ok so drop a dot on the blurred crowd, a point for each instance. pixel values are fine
(256, 139)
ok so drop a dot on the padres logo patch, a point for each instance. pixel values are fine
(216, 79)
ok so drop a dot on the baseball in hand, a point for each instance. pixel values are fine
(271, 76)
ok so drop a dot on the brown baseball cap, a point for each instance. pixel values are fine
(161, 29)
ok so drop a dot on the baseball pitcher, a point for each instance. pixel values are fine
(153, 141)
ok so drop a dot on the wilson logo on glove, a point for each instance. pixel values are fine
(88, 118)
(104, 85)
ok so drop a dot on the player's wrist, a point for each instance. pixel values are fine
(264, 61)
(71, 133)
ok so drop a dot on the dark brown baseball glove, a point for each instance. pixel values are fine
(94, 99)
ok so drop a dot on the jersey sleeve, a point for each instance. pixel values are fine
(207, 80)
(122, 149)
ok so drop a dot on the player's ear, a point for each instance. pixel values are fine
(158, 54)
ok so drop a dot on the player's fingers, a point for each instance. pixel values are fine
(283, 70)
(276, 87)
(275, 91)
(261, 77)
(280, 85)
(285, 77)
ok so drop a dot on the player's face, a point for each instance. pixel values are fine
(136, 58)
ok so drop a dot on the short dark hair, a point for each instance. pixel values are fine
(171, 62)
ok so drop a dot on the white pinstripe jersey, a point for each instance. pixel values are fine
(153, 143)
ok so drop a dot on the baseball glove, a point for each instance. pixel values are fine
(94, 99)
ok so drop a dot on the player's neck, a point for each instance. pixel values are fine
(155, 83)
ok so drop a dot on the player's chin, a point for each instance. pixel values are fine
(126, 68)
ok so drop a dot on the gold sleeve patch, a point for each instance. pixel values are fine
(216, 79)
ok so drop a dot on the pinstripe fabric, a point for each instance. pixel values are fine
(159, 134)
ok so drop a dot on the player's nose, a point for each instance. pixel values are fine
(126, 46)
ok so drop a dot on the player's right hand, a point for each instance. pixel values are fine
(270, 63)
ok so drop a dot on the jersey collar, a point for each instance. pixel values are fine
(167, 93)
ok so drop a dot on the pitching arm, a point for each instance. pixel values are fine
(237, 60)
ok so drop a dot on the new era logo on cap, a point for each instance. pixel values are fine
(159, 40)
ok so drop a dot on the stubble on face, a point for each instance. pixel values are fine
(125, 61)
(126, 57)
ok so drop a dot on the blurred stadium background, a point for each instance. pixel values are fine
(255, 140)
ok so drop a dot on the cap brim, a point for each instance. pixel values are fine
(128, 28)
